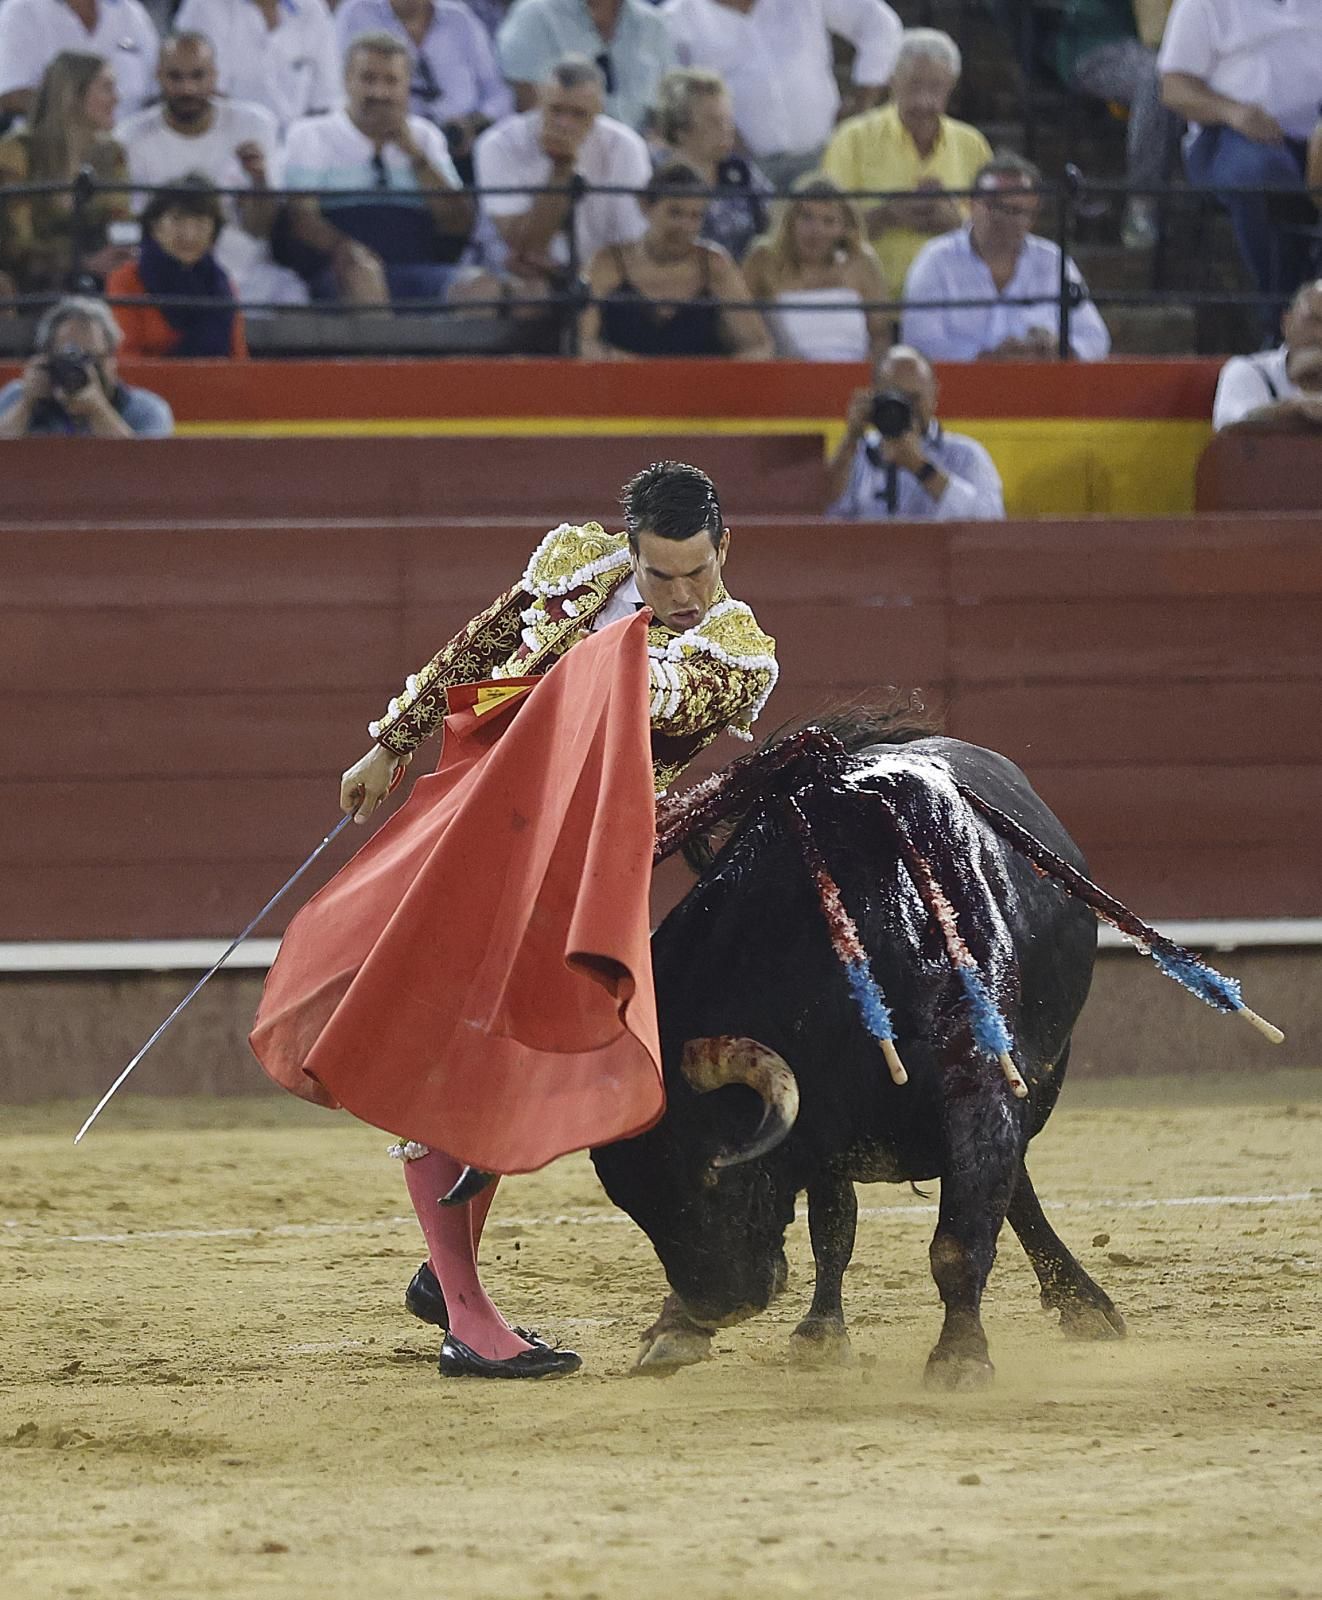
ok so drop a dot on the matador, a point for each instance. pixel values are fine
(590, 684)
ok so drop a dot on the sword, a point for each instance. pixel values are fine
(201, 982)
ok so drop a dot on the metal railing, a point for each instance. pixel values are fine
(1064, 200)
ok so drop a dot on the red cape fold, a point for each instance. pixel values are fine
(478, 977)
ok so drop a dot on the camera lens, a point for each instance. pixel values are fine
(68, 370)
(892, 414)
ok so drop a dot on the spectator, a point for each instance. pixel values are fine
(1277, 387)
(818, 267)
(34, 32)
(1248, 76)
(490, 13)
(668, 293)
(402, 234)
(71, 385)
(281, 54)
(567, 137)
(44, 241)
(776, 56)
(626, 38)
(694, 116)
(228, 141)
(177, 261)
(896, 462)
(1099, 52)
(996, 258)
(911, 144)
(456, 81)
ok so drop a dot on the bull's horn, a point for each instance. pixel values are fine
(711, 1063)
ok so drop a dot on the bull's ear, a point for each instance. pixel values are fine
(712, 1063)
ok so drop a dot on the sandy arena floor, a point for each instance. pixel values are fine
(208, 1386)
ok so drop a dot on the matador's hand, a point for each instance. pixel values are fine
(366, 784)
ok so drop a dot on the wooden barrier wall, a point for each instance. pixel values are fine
(1117, 438)
(176, 702)
(1261, 469)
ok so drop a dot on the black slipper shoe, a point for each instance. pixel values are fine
(424, 1299)
(458, 1361)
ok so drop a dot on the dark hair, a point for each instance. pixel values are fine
(671, 178)
(673, 501)
(194, 194)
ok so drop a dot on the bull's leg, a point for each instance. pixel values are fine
(978, 1173)
(1086, 1311)
(674, 1340)
(832, 1225)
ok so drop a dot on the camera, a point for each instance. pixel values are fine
(892, 413)
(69, 370)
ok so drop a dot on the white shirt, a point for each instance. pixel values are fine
(624, 601)
(777, 61)
(882, 493)
(1247, 382)
(158, 154)
(330, 152)
(537, 33)
(948, 268)
(455, 73)
(1265, 53)
(511, 153)
(34, 32)
(293, 70)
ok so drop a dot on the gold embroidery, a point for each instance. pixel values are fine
(716, 676)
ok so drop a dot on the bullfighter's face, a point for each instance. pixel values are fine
(678, 578)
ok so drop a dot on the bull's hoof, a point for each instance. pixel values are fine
(956, 1373)
(820, 1342)
(1081, 1320)
(669, 1350)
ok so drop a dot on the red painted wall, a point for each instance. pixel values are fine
(177, 701)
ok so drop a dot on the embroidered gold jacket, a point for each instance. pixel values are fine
(716, 676)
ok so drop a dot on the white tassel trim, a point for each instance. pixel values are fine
(540, 551)
(667, 688)
(408, 1150)
(577, 578)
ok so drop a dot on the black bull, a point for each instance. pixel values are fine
(746, 957)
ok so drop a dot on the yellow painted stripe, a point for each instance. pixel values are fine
(497, 427)
(1050, 466)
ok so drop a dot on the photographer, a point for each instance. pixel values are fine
(896, 463)
(71, 385)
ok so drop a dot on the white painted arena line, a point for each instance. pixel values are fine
(19, 1233)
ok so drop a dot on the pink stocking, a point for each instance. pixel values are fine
(452, 1235)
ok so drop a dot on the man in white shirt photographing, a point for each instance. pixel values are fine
(896, 462)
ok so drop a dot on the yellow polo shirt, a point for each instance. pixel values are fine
(876, 151)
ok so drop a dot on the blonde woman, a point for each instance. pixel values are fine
(817, 270)
(694, 115)
(69, 130)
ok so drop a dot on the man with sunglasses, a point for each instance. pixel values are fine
(566, 142)
(403, 219)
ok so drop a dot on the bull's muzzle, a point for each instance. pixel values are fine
(712, 1063)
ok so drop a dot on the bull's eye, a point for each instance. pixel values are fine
(710, 1177)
